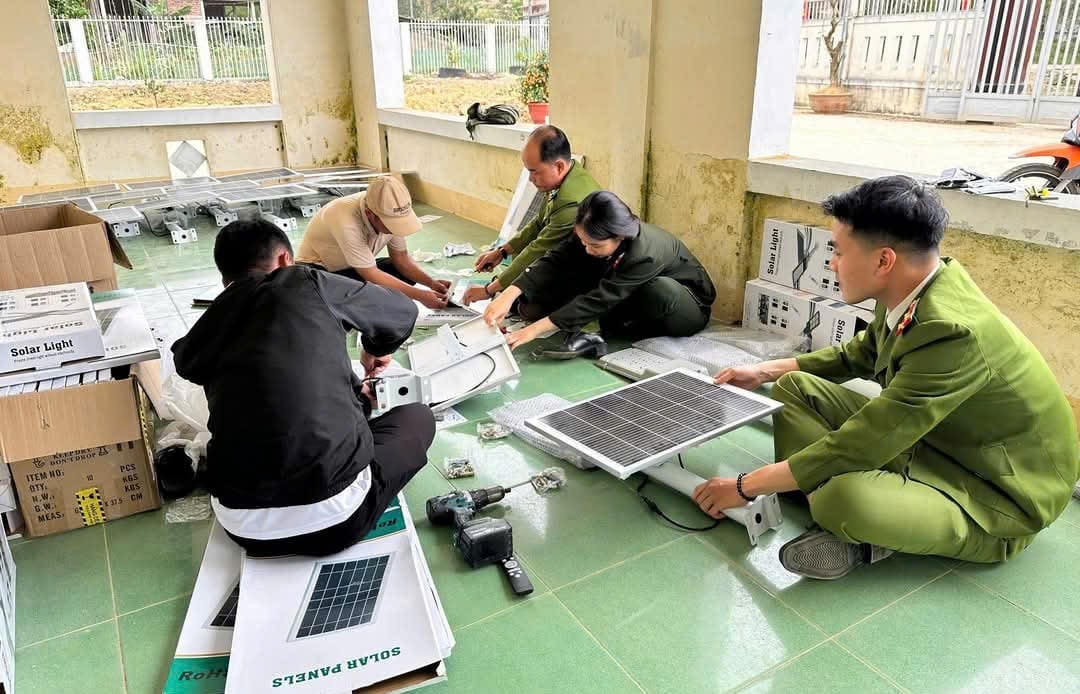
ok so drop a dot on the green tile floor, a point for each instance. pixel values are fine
(623, 602)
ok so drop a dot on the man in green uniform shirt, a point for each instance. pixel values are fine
(547, 157)
(971, 447)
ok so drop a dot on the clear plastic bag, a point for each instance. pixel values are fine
(513, 416)
(713, 355)
(761, 343)
(188, 410)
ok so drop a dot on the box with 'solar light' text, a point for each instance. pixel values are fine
(789, 311)
(799, 256)
(44, 327)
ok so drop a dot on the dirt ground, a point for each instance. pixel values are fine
(171, 95)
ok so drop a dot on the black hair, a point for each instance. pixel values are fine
(893, 211)
(553, 143)
(602, 216)
(244, 245)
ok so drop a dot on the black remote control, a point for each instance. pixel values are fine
(519, 580)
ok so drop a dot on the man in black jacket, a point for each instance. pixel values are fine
(294, 466)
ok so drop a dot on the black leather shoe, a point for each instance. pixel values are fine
(576, 345)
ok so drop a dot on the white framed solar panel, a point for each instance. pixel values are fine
(643, 424)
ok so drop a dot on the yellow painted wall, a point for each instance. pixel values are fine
(310, 65)
(701, 102)
(1035, 286)
(601, 57)
(37, 138)
(369, 141)
(116, 154)
(468, 179)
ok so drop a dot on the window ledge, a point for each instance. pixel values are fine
(207, 115)
(1054, 223)
(445, 125)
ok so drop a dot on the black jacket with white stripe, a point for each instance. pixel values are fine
(287, 422)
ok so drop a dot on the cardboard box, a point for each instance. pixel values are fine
(798, 256)
(792, 312)
(57, 244)
(79, 456)
(44, 327)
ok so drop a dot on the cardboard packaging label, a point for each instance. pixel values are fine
(103, 468)
(792, 312)
(44, 327)
(799, 256)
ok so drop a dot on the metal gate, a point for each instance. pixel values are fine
(1005, 60)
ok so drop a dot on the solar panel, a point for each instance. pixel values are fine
(336, 171)
(273, 193)
(173, 183)
(116, 215)
(645, 423)
(125, 198)
(59, 195)
(211, 187)
(343, 594)
(226, 614)
(264, 175)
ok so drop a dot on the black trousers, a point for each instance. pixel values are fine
(661, 306)
(384, 264)
(402, 437)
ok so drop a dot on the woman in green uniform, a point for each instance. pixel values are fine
(636, 279)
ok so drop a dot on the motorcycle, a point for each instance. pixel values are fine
(1063, 176)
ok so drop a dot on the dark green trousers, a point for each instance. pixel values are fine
(660, 307)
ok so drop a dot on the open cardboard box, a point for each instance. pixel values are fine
(57, 244)
(80, 455)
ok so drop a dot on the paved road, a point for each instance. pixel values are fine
(914, 146)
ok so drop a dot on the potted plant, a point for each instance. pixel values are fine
(453, 59)
(834, 98)
(533, 87)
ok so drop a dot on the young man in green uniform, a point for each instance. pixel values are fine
(547, 157)
(971, 448)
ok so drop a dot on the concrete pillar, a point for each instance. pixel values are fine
(490, 50)
(202, 49)
(406, 48)
(774, 85)
(313, 84)
(38, 146)
(375, 59)
(674, 146)
(82, 51)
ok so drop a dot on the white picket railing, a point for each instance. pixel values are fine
(475, 47)
(137, 49)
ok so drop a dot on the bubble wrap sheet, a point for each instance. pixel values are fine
(714, 356)
(513, 416)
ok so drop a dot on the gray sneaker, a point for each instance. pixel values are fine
(817, 553)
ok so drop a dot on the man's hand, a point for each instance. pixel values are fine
(523, 336)
(475, 294)
(717, 494)
(747, 377)
(373, 366)
(440, 286)
(488, 261)
(498, 309)
(365, 390)
(433, 299)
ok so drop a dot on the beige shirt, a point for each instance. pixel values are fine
(340, 236)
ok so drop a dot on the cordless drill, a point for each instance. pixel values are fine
(481, 541)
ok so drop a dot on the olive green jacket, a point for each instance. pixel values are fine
(968, 406)
(607, 282)
(553, 223)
